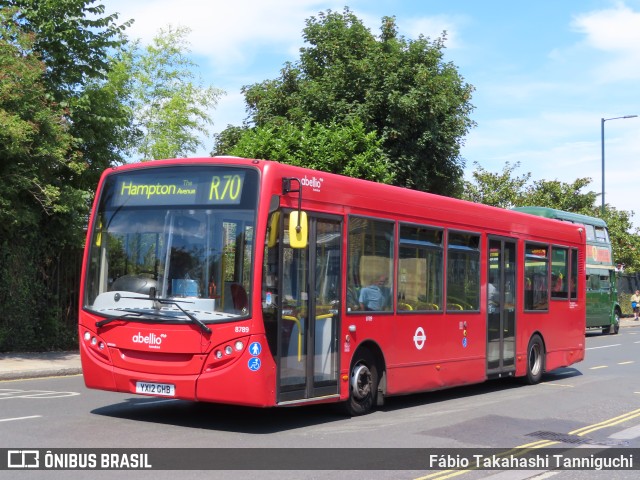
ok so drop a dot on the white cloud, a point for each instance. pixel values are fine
(433, 26)
(616, 33)
(223, 32)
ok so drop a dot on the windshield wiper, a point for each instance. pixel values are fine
(138, 313)
(193, 318)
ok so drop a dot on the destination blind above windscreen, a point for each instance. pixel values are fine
(166, 186)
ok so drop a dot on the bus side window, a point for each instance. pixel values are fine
(370, 261)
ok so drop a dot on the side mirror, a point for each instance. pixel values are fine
(298, 229)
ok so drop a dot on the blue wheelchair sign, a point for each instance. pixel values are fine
(254, 364)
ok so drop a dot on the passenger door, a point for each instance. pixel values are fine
(310, 315)
(501, 306)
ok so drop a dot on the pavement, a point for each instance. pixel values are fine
(18, 366)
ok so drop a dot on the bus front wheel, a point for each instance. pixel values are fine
(363, 384)
(535, 360)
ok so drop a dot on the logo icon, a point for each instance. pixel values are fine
(23, 459)
(419, 338)
(152, 339)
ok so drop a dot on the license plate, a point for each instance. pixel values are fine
(163, 389)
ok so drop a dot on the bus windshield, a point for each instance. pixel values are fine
(170, 243)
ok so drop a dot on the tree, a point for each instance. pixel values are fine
(169, 108)
(37, 207)
(507, 191)
(401, 90)
(625, 239)
(36, 146)
(345, 149)
(74, 38)
(496, 189)
(56, 136)
(562, 196)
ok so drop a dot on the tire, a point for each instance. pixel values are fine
(616, 326)
(363, 384)
(535, 360)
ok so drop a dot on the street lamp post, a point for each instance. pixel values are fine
(602, 120)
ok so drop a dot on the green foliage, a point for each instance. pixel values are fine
(170, 108)
(496, 189)
(59, 124)
(344, 149)
(31, 317)
(625, 240)
(36, 147)
(562, 196)
(507, 190)
(72, 37)
(400, 90)
(624, 300)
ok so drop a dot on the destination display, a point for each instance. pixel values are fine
(171, 187)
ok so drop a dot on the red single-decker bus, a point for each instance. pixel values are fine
(256, 283)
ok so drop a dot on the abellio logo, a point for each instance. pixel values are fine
(153, 340)
(312, 182)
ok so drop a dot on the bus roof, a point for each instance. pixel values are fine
(562, 215)
(362, 197)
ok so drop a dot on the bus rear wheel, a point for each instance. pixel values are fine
(363, 384)
(535, 360)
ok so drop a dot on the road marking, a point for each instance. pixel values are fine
(626, 363)
(19, 418)
(521, 475)
(604, 346)
(598, 367)
(627, 434)
(442, 475)
(606, 423)
(26, 379)
(7, 394)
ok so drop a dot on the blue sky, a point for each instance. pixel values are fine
(545, 71)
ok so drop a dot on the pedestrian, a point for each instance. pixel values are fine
(635, 304)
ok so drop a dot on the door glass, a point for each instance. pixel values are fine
(294, 314)
(508, 304)
(493, 305)
(327, 298)
(501, 316)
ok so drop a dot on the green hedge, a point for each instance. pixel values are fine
(38, 309)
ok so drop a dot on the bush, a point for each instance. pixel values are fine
(32, 315)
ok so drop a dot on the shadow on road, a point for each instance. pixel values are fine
(260, 421)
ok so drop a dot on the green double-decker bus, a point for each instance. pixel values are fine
(603, 309)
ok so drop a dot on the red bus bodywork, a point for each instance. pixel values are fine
(411, 352)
